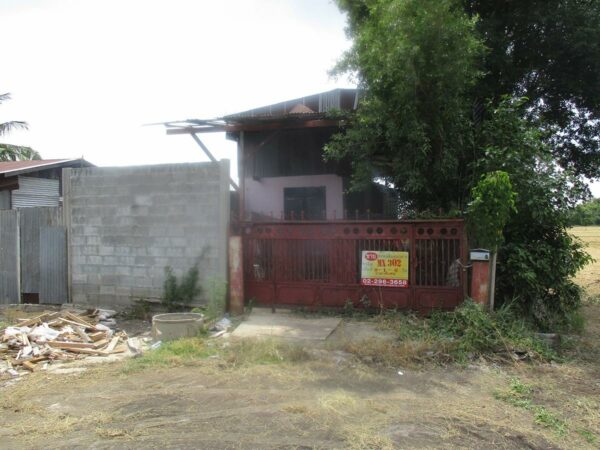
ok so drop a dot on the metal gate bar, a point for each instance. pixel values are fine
(313, 264)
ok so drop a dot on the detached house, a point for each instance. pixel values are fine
(306, 241)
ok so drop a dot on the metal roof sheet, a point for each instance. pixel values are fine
(17, 167)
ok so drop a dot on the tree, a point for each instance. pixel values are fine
(549, 52)
(587, 213)
(420, 127)
(416, 60)
(10, 152)
(538, 257)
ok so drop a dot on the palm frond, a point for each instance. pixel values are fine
(10, 152)
(7, 127)
(4, 97)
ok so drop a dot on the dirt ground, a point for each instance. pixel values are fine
(327, 400)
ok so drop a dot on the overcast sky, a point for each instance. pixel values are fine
(87, 74)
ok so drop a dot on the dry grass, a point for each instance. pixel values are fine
(589, 277)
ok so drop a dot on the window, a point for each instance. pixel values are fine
(304, 203)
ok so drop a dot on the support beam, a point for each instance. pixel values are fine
(211, 157)
(242, 172)
(318, 123)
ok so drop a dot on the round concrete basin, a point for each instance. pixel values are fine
(167, 327)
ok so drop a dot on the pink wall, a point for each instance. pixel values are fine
(265, 195)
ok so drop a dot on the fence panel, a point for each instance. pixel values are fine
(53, 265)
(31, 221)
(9, 257)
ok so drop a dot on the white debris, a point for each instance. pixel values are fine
(222, 325)
(44, 333)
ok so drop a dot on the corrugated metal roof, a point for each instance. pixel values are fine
(317, 105)
(15, 167)
(311, 107)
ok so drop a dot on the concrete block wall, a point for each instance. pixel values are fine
(126, 224)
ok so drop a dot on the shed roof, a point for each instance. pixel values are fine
(316, 104)
(303, 112)
(11, 168)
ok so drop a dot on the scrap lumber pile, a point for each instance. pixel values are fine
(56, 336)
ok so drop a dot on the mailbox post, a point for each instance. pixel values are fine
(480, 280)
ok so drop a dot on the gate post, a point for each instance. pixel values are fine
(480, 282)
(236, 276)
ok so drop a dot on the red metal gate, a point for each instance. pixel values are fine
(317, 264)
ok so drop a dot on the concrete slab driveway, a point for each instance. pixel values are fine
(285, 324)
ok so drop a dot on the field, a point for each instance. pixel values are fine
(274, 395)
(589, 277)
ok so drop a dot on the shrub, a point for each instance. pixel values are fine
(180, 293)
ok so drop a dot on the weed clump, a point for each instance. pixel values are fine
(477, 331)
(178, 293)
(466, 333)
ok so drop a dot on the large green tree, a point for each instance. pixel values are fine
(549, 52)
(10, 152)
(416, 62)
(436, 117)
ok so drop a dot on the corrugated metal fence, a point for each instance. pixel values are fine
(34, 192)
(33, 256)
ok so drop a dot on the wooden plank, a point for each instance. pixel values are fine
(98, 335)
(76, 324)
(88, 351)
(45, 317)
(82, 334)
(18, 362)
(29, 366)
(101, 343)
(113, 343)
(70, 345)
(76, 318)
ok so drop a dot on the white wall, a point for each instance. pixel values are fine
(265, 195)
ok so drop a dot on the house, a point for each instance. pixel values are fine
(34, 183)
(281, 167)
(301, 239)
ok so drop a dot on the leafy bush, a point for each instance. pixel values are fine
(491, 207)
(180, 293)
(539, 258)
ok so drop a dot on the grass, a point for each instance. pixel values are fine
(588, 436)
(465, 334)
(181, 352)
(234, 353)
(520, 395)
